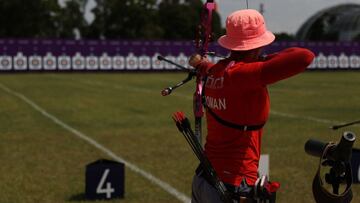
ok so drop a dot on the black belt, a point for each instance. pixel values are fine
(233, 125)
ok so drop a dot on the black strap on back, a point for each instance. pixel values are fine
(233, 125)
(225, 122)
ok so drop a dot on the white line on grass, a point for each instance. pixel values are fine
(168, 188)
(309, 118)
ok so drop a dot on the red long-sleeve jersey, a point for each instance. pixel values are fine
(237, 92)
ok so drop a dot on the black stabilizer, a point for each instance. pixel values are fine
(335, 127)
(343, 150)
(315, 147)
(160, 58)
(339, 152)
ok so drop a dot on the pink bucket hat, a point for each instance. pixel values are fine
(245, 30)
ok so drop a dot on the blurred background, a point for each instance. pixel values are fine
(142, 29)
(172, 19)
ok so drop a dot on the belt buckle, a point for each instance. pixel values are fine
(245, 128)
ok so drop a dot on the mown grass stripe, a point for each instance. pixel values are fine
(165, 186)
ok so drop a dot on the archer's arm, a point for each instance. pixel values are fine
(285, 64)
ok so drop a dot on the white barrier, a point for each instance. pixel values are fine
(106, 62)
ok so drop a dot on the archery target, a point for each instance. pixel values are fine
(132, 62)
(64, 62)
(78, 62)
(92, 63)
(321, 61)
(169, 66)
(119, 62)
(343, 61)
(182, 59)
(156, 63)
(333, 61)
(105, 62)
(5, 63)
(49, 62)
(20, 62)
(144, 62)
(354, 61)
(35, 63)
(312, 65)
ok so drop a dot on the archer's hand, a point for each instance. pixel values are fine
(196, 59)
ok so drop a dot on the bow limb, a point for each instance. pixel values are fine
(204, 36)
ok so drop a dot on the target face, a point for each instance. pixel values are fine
(78, 62)
(105, 63)
(344, 61)
(354, 61)
(322, 61)
(168, 65)
(92, 63)
(49, 62)
(145, 63)
(119, 62)
(132, 62)
(64, 63)
(35, 63)
(20, 62)
(5, 63)
(157, 64)
(332, 61)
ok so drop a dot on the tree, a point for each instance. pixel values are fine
(114, 19)
(23, 18)
(284, 36)
(70, 21)
(180, 21)
(128, 19)
(148, 19)
(41, 18)
(357, 38)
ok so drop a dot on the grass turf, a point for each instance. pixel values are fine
(42, 162)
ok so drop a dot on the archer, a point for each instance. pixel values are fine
(234, 134)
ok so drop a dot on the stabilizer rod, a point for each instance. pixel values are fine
(335, 127)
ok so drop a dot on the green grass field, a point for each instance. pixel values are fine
(43, 162)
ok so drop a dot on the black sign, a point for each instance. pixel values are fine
(104, 180)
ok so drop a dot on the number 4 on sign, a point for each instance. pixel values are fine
(101, 189)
